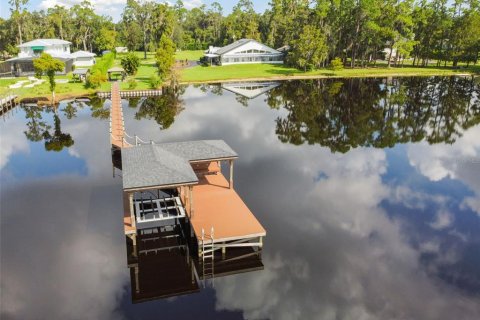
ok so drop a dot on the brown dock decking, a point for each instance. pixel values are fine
(218, 206)
(117, 128)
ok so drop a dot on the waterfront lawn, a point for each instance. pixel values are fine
(266, 71)
(62, 90)
(191, 55)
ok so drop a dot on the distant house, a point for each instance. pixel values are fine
(83, 58)
(243, 51)
(121, 49)
(23, 63)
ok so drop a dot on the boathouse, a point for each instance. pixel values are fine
(164, 182)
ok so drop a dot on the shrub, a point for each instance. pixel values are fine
(132, 84)
(130, 63)
(104, 63)
(155, 82)
(336, 64)
(95, 79)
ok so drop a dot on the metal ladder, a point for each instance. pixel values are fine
(208, 254)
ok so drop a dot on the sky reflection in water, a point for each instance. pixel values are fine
(387, 226)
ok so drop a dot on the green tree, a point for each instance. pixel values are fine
(309, 50)
(47, 65)
(59, 17)
(336, 65)
(105, 39)
(18, 15)
(130, 62)
(165, 56)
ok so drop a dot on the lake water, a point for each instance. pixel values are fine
(369, 190)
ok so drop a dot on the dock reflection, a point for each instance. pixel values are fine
(164, 263)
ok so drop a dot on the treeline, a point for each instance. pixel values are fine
(357, 31)
(78, 24)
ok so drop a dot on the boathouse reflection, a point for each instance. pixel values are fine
(162, 265)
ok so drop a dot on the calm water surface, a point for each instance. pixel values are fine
(369, 190)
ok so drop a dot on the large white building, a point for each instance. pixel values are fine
(243, 51)
(57, 48)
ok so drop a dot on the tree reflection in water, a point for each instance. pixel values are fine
(163, 108)
(58, 140)
(348, 113)
(36, 126)
(98, 108)
(38, 129)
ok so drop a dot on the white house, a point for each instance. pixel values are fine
(83, 58)
(55, 47)
(243, 51)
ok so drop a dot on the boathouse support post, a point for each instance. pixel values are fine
(132, 213)
(190, 202)
(231, 174)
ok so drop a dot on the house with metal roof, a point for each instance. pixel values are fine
(243, 51)
(57, 48)
(23, 64)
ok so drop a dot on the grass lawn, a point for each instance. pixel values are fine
(192, 55)
(260, 71)
(62, 90)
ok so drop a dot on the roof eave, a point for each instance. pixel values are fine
(161, 186)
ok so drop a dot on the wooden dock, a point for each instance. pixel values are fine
(219, 207)
(131, 93)
(7, 103)
(164, 183)
(117, 124)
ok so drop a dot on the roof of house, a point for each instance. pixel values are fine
(20, 59)
(234, 45)
(167, 164)
(83, 54)
(116, 69)
(80, 71)
(43, 42)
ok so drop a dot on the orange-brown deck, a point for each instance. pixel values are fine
(218, 206)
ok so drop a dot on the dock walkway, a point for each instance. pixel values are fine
(117, 124)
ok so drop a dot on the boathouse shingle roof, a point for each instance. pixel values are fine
(167, 164)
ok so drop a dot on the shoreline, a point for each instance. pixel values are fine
(46, 99)
(320, 76)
